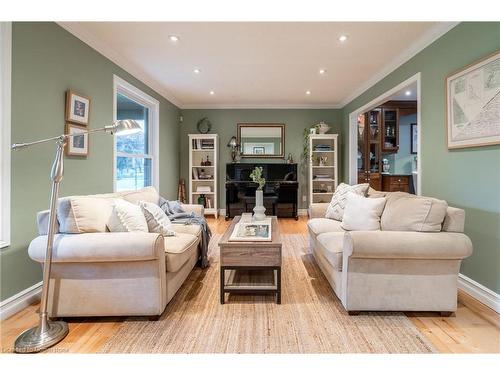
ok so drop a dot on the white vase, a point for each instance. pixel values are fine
(259, 209)
(322, 128)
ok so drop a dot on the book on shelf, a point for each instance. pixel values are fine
(195, 174)
(202, 144)
(203, 189)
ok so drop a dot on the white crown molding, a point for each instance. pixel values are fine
(425, 40)
(261, 106)
(479, 292)
(20, 301)
(111, 54)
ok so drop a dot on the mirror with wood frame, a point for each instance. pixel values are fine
(261, 140)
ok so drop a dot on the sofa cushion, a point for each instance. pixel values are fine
(362, 213)
(322, 225)
(331, 248)
(157, 220)
(178, 249)
(372, 193)
(127, 217)
(336, 208)
(147, 194)
(84, 214)
(407, 212)
(193, 229)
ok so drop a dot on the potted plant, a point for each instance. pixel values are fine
(259, 209)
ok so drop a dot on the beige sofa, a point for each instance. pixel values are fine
(391, 270)
(115, 274)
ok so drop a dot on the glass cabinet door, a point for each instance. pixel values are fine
(361, 157)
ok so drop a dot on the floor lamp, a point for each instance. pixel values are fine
(48, 332)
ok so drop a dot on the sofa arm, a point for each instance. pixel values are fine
(196, 208)
(318, 209)
(100, 247)
(407, 245)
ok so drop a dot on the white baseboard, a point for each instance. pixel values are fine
(303, 212)
(19, 301)
(479, 292)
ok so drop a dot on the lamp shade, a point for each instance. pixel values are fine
(125, 127)
(233, 142)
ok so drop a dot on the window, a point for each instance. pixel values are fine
(136, 155)
(5, 79)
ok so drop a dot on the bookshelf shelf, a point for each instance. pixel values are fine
(203, 148)
(322, 177)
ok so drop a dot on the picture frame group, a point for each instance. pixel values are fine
(77, 116)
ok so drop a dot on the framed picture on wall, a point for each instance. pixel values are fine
(77, 108)
(473, 104)
(78, 145)
(414, 138)
(259, 150)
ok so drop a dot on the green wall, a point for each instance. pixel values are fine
(46, 61)
(224, 123)
(466, 178)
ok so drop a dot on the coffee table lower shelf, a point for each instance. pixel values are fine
(228, 285)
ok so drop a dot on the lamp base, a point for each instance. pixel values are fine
(33, 340)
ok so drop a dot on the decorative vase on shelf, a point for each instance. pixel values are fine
(259, 209)
(322, 128)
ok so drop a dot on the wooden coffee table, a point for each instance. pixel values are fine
(262, 257)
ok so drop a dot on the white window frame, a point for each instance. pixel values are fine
(5, 129)
(120, 86)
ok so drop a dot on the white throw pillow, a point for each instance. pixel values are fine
(158, 221)
(127, 217)
(362, 213)
(335, 209)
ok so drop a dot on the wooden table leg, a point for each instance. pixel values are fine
(278, 285)
(222, 281)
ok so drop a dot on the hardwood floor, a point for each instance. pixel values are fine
(474, 328)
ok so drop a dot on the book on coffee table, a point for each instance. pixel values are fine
(252, 231)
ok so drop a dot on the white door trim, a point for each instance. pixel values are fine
(5, 129)
(353, 128)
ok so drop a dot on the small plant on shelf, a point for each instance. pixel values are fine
(256, 176)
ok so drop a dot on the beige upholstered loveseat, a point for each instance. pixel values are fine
(390, 270)
(99, 273)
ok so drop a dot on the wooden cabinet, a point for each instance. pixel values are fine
(396, 183)
(390, 129)
(369, 153)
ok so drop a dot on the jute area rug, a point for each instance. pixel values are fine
(310, 319)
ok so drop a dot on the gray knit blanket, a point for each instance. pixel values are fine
(178, 215)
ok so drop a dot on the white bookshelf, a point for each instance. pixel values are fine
(205, 177)
(323, 179)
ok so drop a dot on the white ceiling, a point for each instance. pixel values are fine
(258, 64)
(407, 93)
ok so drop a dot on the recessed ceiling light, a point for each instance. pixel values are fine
(308, 92)
(322, 71)
(408, 93)
(173, 38)
(343, 38)
(212, 92)
(196, 71)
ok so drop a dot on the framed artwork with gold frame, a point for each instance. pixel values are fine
(78, 145)
(77, 108)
